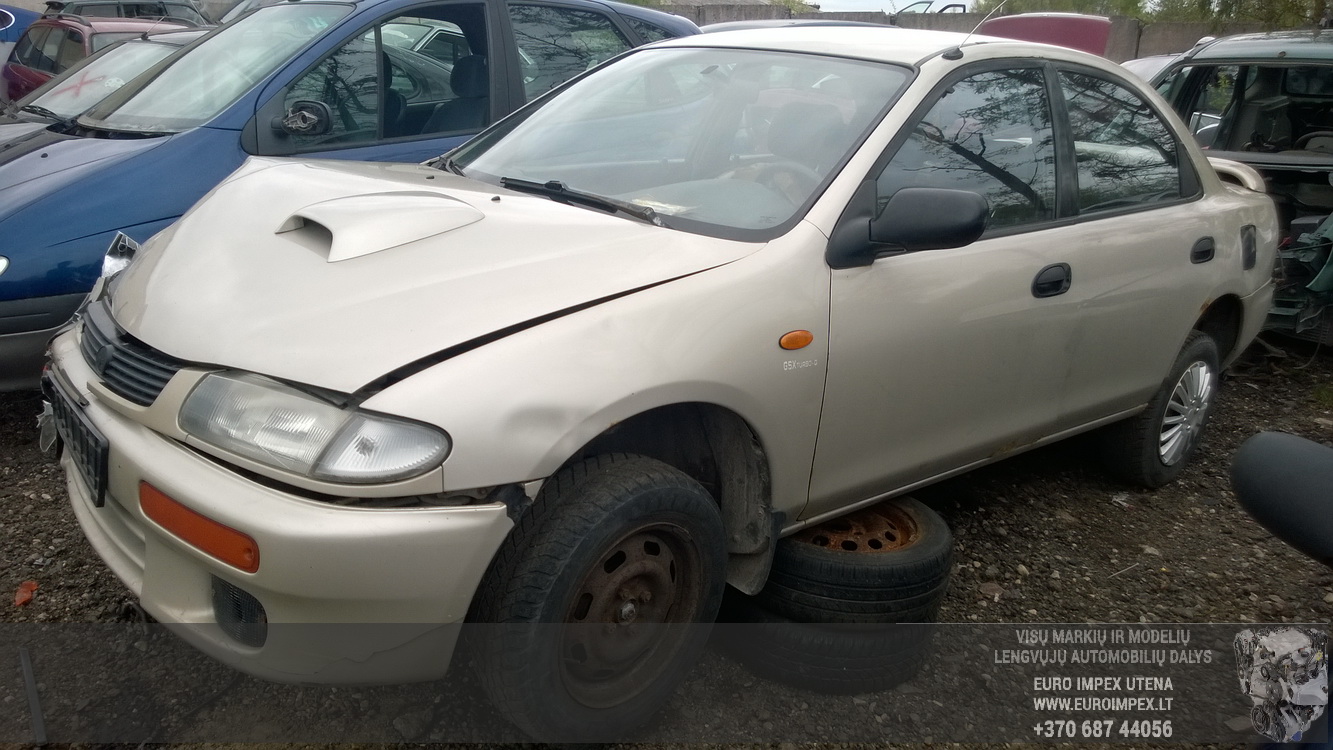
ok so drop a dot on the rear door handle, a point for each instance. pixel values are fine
(1052, 280)
(1202, 252)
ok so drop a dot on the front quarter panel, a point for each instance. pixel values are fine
(519, 407)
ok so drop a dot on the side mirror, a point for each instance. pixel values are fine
(930, 219)
(306, 117)
(913, 219)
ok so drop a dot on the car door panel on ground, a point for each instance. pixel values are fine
(1041, 302)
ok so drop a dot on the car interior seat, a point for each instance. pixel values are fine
(809, 133)
(470, 81)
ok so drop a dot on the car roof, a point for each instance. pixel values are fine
(768, 23)
(178, 38)
(1300, 45)
(100, 25)
(885, 43)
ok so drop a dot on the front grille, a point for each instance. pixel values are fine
(239, 614)
(129, 368)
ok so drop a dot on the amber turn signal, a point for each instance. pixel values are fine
(796, 339)
(223, 542)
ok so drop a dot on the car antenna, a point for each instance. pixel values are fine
(956, 53)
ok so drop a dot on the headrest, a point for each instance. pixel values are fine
(470, 79)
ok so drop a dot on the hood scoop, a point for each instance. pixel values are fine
(357, 225)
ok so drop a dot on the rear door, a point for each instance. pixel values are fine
(1142, 249)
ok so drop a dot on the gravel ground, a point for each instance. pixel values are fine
(1045, 537)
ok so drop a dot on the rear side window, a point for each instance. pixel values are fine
(71, 50)
(647, 31)
(101, 10)
(1125, 153)
(555, 44)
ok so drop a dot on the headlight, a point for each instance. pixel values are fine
(286, 428)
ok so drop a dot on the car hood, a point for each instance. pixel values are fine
(11, 129)
(334, 274)
(38, 162)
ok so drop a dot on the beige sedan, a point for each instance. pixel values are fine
(590, 367)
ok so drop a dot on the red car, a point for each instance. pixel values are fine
(54, 42)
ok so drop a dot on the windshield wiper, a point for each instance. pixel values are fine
(557, 190)
(41, 111)
(447, 163)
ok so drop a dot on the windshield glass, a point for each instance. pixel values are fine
(80, 88)
(196, 86)
(716, 141)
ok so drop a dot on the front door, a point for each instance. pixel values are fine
(941, 358)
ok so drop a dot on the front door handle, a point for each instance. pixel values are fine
(1052, 280)
(1203, 250)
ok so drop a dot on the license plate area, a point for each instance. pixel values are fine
(86, 446)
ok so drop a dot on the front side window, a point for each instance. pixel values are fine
(990, 134)
(48, 60)
(731, 143)
(1125, 153)
(557, 44)
(202, 81)
(393, 88)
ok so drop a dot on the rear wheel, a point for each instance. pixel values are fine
(1152, 448)
(602, 596)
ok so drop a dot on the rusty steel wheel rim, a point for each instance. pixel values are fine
(886, 527)
(630, 615)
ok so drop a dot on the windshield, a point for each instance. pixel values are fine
(198, 85)
(717, 141)
(78, 89)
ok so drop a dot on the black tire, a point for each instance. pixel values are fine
(596, 594)
(886, 563)
(1136, 450)
(823, 658)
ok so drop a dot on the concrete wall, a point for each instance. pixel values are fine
(1163, 38)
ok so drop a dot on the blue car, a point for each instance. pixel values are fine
(376, 80)
(13, 21)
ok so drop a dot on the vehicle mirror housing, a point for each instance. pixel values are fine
(306, 117)
(930, 219)
(913, 219)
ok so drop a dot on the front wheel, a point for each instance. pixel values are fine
(1151, 449)
(600, 599)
